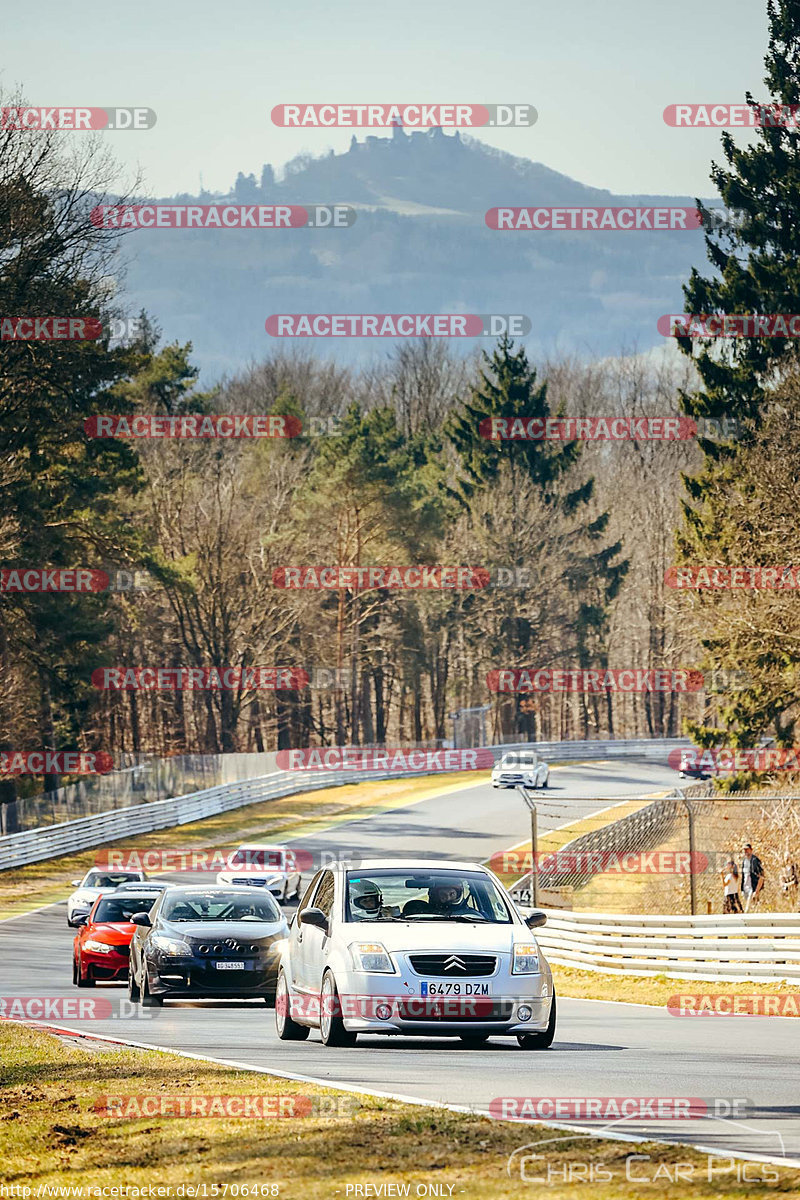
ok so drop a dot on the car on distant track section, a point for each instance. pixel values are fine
(94, 882)
(272, 867)
(521, 768)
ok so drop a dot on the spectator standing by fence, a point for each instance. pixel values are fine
(752, 877)
(730, 879)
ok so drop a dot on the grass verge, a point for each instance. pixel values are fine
(655, 990)
(50, 1134)
(272, 820)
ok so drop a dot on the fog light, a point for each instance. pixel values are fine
(524, 1012)
(383, 1012)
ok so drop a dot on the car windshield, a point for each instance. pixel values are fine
(118, 909)
(108, 879)
(196, 907)
(257, 858)
(420, 895)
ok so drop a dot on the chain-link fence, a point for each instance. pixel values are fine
(141, 780)
(668, 855)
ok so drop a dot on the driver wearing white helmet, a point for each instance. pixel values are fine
(366, 899)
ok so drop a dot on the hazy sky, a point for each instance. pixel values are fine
(600, 73)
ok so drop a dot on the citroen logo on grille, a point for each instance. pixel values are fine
(454, 963)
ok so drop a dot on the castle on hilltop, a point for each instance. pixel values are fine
(399, 138)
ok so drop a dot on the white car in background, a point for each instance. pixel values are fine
(93, 884)
(521, 768)
(421, 948)
(259, 865)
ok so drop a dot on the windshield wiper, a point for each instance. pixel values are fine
(444, 917)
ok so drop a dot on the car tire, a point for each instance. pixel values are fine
(472, 1041)
(74, 971)
(287, 1029)
(147, 998)
(133, 988)
(540, 1041)
(331, 1025)
(546, 781)
(82, 980)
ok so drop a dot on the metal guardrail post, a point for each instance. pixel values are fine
(534, 845)
(692, 884)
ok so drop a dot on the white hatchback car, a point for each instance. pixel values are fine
(272, 867)
(521, 768)
(93, 884)
(422, 948)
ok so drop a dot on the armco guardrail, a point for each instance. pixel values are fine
(751, 947)
(35, 845)
(50, 841)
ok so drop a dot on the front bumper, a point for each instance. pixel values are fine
(112, 967)
(199, 976)
(395, 1004)
(513, 779)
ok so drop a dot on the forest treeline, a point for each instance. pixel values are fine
(392, 468)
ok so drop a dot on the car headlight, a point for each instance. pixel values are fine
(371, 957)
(98, 947)
(168, 945)
(526, 959)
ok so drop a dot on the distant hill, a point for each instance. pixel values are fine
(419, 244)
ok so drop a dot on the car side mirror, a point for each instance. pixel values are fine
(315, 917)
(75, 882)
(142, 918)
(82, 920)
(536, 919)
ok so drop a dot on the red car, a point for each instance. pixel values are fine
(100, 950)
